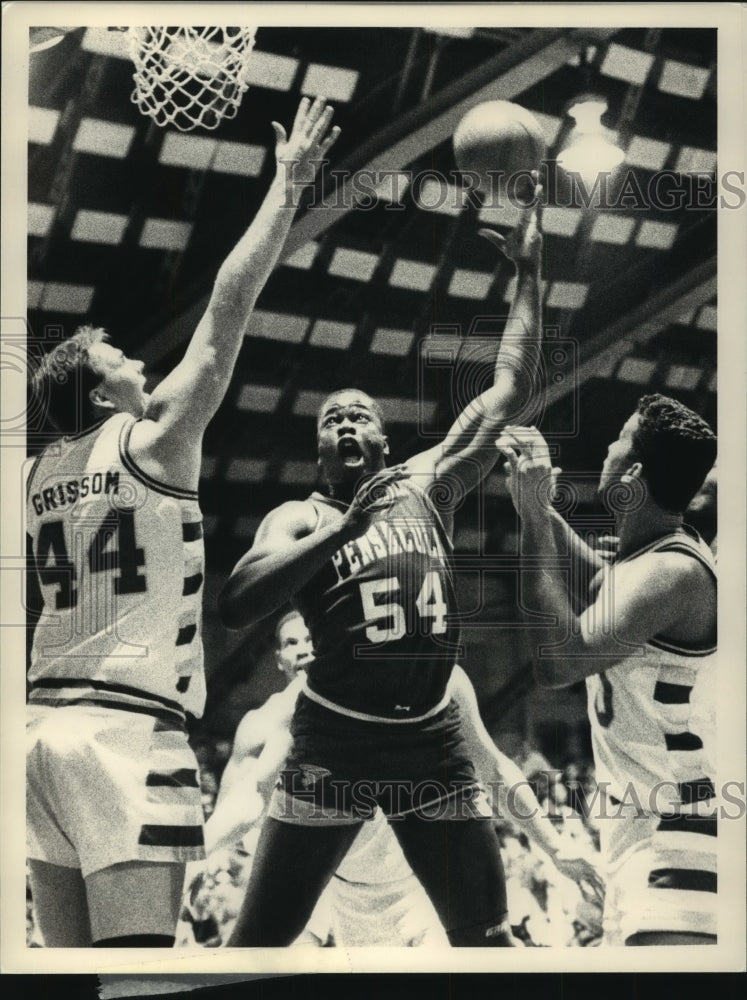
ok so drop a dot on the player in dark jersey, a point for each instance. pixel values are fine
(368, 563)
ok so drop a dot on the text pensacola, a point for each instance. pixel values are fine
(624, 190)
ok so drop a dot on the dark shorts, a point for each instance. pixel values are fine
(340, 769)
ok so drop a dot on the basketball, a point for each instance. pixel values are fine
(501, 142)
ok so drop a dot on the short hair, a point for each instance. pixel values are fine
(62, 383)
(378, 412)
(676, 449)
(287, 617)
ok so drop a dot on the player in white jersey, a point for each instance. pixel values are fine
(115, 539)
(645, 642)
(373, 898)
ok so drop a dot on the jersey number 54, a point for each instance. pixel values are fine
(390, 621)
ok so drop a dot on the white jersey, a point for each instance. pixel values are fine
(644, 712)
(652, 727)
(120, 561)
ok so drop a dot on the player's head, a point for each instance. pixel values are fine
(86, 378)
(668, 446)
(351, 437)
(293, 648)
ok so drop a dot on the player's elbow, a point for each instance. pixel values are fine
(511, 388)
(550, 675)
(238, 606)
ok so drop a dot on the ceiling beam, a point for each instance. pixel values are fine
(504, 77)
(643, 322)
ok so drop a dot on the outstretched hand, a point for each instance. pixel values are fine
(531, 476)
(523, 245)
(583, 872)
(310, 140)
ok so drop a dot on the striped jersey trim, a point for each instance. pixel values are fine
(698, 790)
(670, 647)
(185, 635)
(706, 826)
(156, 835)
(341, 710)
(88, 430)
(32, 473)
(688, 879)
(183, 777)
(134, 469)
(166, 722)
(672, 694)
(191, 531)
(101, 688)
(683, 741)
(192, 584)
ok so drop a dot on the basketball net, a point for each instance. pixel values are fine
(190, 77)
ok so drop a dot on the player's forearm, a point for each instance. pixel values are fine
(522, 807)
(517, 362)
(272, 757)
(224, 829)
(246, 269)
(514, 376)
(513, 796)
(260, 586)
(545, 583)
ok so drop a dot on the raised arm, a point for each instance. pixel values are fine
(515, 797)
(184, 403)
(467, 451)
(289, 549)
(635, 601)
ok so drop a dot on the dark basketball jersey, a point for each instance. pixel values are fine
(382, 612)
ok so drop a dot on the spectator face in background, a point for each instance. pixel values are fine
(293, 648)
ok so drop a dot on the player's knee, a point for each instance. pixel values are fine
(488, 934)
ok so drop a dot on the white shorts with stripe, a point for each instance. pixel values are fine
(661, 874)
(105, 786)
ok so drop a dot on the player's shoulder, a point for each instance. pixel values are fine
(286, 700)
(676, 569)
(283, 702)
(293, 517)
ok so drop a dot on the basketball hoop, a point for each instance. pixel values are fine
(189, 77)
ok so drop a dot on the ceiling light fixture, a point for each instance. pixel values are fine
(591, 149)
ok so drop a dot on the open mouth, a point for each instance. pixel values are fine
(349, 451)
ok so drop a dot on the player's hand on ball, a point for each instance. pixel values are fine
(523, 245)
(376, 493)
(299, 155)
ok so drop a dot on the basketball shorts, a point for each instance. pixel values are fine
(661, 874)
(105, 786)
(341, 768)
(389, 914)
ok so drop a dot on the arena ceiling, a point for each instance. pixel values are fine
(128, 224)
